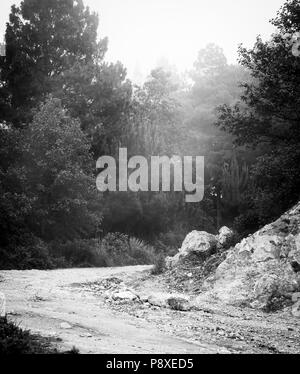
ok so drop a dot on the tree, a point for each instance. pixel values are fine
(155, 118)
(43, 39)
(267, 117)
(214, 82)
(56, 175)
(99, 95)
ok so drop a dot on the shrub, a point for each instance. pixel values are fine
(34, 255)
(120, 250)
(14, 340)
(141, 251)
(159, 265)
(79, 253)
(169, 242)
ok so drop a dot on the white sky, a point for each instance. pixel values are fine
(141, 32)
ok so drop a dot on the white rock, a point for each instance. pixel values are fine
(124, 295)
(198, 242)
(225, 234)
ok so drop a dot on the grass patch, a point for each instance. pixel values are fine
(14, 340)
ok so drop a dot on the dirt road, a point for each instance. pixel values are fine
(64, 305)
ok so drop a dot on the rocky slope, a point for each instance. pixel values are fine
(262, 271)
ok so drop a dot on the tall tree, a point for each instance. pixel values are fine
(43, 39)
(56, 174)
(268, 115)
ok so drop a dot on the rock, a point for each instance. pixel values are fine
(2, 305)
(198, 242)
(159, 300)
(295, 297)
(224, 237)
(261, 266)
(179, 303)
(296, 309)
(143, 298)
(124, 295)
(65, 325)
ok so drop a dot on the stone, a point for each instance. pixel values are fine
(124, 295)
(179, 303)
(2, 305)
(198, 242)
(224, 236)
(143, 298)
(296, 309)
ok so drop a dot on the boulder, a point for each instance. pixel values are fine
(2, 305)
(224, 237)
(198, 242)
(263, 265)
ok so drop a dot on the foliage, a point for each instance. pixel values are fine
(13, 340)
(119, 250)
(43, 39)
(57, 176)
(268, 118)
(33, 254)
(159, 265)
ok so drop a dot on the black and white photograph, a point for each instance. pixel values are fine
(149, 180)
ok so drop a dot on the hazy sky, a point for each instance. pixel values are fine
(142, 32)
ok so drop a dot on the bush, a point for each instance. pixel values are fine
(14, 340)
(141, 251)
(159, 265)
(78, 253)
(169, 242)
(121, 250)
(34, 255)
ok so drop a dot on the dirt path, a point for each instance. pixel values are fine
(64, 305)
(42, 300)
